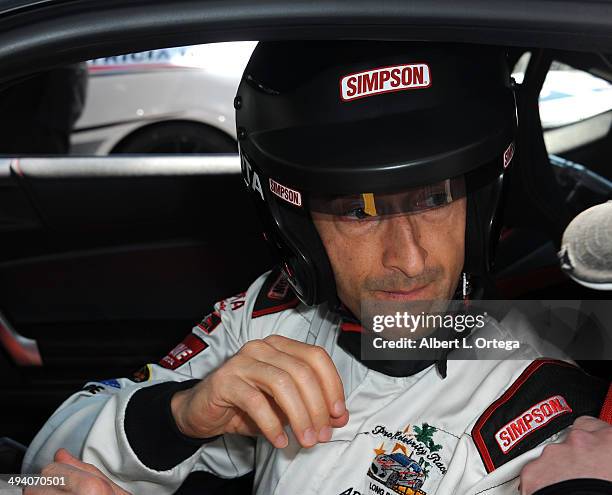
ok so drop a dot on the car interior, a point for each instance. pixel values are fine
(107, 262)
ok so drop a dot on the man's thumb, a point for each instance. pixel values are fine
(65, 457)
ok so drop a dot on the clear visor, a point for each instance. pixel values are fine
(374, 205)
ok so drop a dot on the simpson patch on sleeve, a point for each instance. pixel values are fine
(546, 398)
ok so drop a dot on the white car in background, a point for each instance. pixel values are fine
(570, 95)
(575, 106)
(180, 100)
(174, 100)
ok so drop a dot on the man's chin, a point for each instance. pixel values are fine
(426, 300)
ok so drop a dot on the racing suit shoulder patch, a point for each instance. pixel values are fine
(275, 295)
(190, 347)
(545, 399)
(210, 322)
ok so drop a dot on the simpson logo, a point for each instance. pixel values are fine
(290, 195)
(533, 408)
(384, 80)
(508, 154)
(532, 419)
(189, 348)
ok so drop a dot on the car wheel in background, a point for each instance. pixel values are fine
(177, 137)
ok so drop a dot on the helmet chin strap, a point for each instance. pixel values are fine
(466, 287)
(463, 293)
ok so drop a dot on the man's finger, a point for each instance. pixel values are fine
(589, 423)
(75, 480)
(279, 384)
(307, 382)
(254, 403)
(84, 478)
(320, 361)
(65, 457)
(242, 424)
(341, 421)
(62, 456)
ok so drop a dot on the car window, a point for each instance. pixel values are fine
(173, 100)
(568, 95)
(576, 115)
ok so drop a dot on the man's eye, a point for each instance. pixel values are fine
(357, 213)
(432, 200)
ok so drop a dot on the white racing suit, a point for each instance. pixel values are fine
(468, 433)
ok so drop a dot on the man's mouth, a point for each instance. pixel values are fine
(403, 295)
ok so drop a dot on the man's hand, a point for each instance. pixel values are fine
(269, 383)
(79, 477)
(585, 453)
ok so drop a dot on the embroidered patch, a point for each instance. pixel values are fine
(233, 303)
(99, 386)
(405, 460)
(186, 350)
(279, 289)
(208, 324)
(93, 388)
(142, 375)
(545, 399)
(535, 417)
(111, 382)
(275, 295)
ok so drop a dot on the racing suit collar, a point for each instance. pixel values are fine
(349, 339)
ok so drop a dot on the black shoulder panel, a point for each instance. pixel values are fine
(275, 295)
(547, 397)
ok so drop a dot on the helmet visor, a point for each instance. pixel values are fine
(371, 206)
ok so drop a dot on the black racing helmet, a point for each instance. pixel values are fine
(322, 123)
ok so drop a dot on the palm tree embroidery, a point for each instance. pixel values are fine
(424, 466)
(424, 434)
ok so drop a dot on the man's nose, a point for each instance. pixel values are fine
(401, 245)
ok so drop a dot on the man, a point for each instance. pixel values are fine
(378, 169)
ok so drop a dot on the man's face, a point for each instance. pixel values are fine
(398, 257)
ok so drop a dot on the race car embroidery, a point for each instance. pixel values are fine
(398, 472)
(384, 80)
(413, 457)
